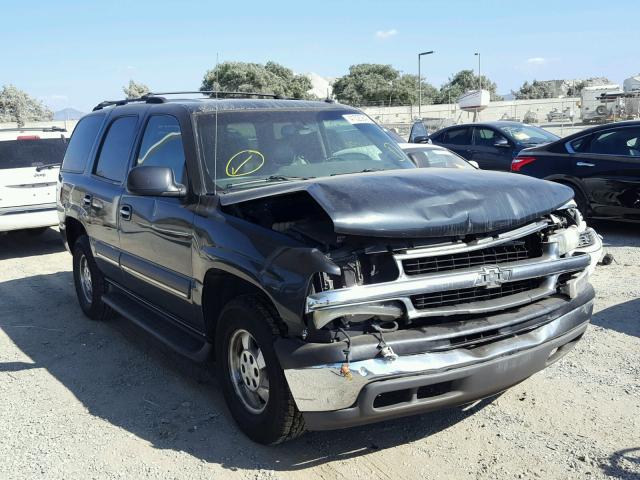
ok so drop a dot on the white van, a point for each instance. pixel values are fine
(30, 161)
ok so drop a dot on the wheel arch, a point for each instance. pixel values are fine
(220, 287)
(73, 229)
(572, 182)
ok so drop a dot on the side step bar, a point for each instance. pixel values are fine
(159, 325)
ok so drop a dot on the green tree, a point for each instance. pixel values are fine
(135, 90)
(377, 84)
(462, 82)
(17, 106)
(271, 78)
(534, 90)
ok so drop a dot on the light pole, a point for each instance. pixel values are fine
(420, 82)
(479, 78)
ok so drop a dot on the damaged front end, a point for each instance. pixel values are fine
(395, 325)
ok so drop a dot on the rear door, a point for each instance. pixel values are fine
(491, 149)
(102, 199)
(28, 173)
(608, 162)
(156, 233)
(457, 139)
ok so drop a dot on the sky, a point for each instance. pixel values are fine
(78, 53)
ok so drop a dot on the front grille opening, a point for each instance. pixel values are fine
(522, 249)
(392, 398)
(474, 294)
(434, 390)
(411, 395)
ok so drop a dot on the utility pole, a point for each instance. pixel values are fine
(420, 82)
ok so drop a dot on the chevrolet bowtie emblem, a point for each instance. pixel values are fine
(492, 277)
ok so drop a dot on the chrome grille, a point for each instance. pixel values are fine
(509, 252)
(475, 294)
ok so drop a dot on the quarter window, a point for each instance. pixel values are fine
(162, 146)
(114, 154)
(81, 143)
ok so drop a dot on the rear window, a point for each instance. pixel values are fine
(457, 136)
(31, 153)
(82, 140)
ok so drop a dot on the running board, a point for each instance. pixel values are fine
(159, 325)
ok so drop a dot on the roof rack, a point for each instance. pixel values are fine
(158, 97)
(34, 129)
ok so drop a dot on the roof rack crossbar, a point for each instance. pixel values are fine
(158, 97)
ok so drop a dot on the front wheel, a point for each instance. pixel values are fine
(253, 382)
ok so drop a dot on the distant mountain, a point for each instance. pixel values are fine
(68, 114)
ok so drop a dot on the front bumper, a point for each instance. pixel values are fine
(378, 389)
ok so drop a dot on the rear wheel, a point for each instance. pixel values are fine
(581, 201)
(89, 281)
(252, 380)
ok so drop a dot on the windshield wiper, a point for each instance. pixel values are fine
(366, 170)
(43, 167)
(271, 178)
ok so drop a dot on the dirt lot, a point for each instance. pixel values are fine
(80, 399)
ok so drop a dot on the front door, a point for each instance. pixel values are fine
(492, 150)
(156, 232)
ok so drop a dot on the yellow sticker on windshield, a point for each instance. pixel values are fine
(244, 163)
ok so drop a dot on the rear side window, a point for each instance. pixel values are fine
(31, 153)
(114, 153)
(457, 136)
(82, 140)
(162, 145)
(624, 142)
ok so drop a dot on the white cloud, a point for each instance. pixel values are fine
(384, 34)
(536, 61)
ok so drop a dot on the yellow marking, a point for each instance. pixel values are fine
(232, 170)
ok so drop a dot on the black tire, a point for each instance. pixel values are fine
(279, 420)
(90, 301)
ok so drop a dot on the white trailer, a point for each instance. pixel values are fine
(593, 108)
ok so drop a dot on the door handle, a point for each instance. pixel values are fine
(585, 164)
(86, 201)
(125, 212)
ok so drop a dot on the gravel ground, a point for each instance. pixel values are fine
(80, 399)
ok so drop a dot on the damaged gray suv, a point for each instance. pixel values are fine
(333, 282)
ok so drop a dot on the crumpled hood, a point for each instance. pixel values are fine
(424, 202)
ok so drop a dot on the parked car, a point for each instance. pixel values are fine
(555, 115)
(434, 156)
(601, 165)
(492, 144)
(29, 165)
(335, 283)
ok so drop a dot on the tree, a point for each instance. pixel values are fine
(535, 90)
(17, 106)
(135, 90)
(371, 84)
(271, 78)
(462, 82)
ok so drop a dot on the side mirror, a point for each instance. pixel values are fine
(421, 139)
(473, 163)
(501, 143)
(155, 182)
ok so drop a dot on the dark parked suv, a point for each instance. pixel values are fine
(333, 282)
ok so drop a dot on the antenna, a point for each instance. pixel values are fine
(215, 138)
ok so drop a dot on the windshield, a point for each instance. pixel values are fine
(259, 146)
(437, 158)
(527, 134)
